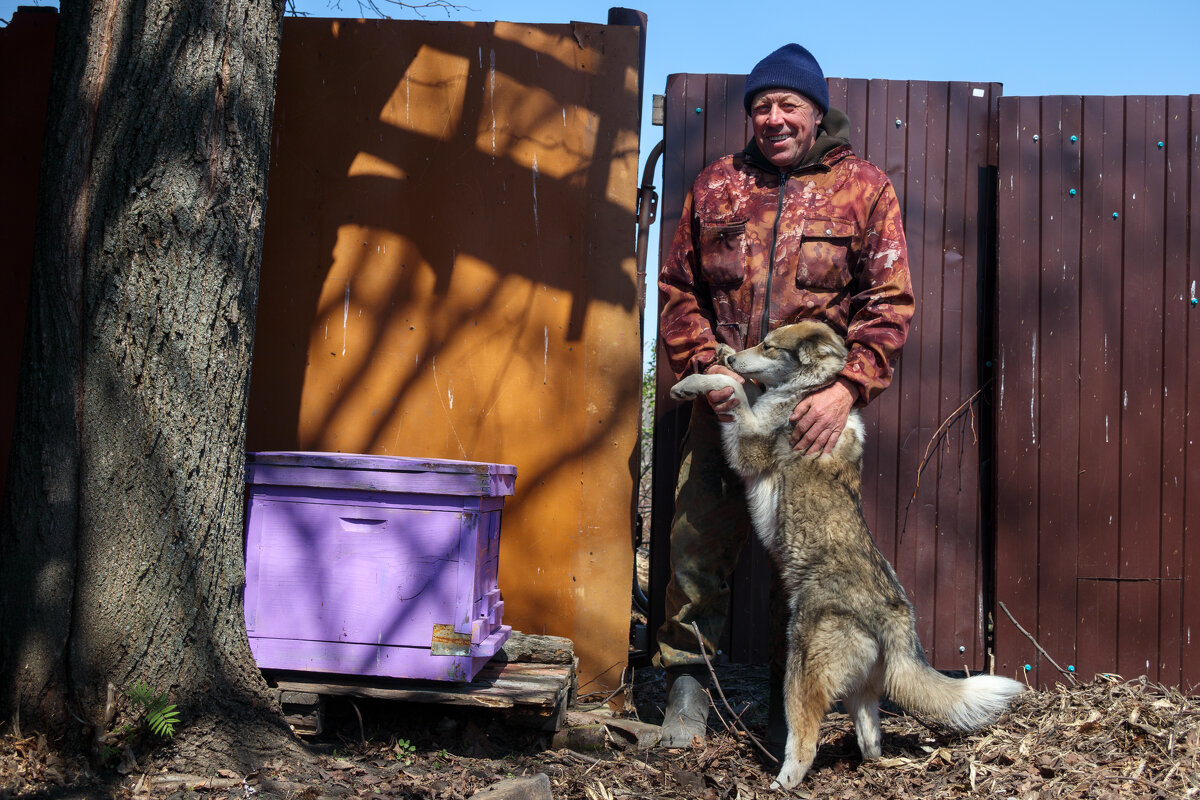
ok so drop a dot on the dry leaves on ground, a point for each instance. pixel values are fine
(1106, 739)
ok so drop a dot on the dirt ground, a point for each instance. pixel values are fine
(1106, 739)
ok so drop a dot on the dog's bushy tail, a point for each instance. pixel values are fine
(965, 704)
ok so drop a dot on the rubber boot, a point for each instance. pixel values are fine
(687, 711)
(776, 717)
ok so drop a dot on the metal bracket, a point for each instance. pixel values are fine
(449, 642)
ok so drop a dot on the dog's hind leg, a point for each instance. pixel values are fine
(806, 700)
(863, 708)
(862, 703)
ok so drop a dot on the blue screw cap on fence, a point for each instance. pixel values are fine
(699, 110)
(1072, 193)
(1028, 668)
(1115, 215)
(1074, 138)
(1070, 667)
(1161, 145)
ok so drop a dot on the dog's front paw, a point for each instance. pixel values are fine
(789, 776)
(687, 389)
(693, 386)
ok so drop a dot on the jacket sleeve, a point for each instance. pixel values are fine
(882, 305)
(686, 321)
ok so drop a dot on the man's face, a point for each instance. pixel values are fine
(785, 126)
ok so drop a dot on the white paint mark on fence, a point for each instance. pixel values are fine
(1033, 395)
(345, 317)
(545, 354)
(492, 98)
(537, 225)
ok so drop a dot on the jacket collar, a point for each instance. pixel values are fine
(832, 145)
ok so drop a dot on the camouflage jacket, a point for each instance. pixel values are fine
(756, 249)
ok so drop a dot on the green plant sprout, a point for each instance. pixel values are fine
(405, 750)
(160, 716)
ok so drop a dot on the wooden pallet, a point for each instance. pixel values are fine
(531, 681)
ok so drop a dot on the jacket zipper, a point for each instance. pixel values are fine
(764, 328)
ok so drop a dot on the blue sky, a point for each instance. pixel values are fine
(1033, 48)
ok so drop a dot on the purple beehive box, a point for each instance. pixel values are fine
(374, 565)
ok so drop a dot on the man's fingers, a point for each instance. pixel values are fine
(722, 402)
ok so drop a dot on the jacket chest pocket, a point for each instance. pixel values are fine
(825, 254)
(723, 252)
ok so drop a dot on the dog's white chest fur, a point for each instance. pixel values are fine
(762, 497)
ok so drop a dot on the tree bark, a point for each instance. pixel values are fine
(122, 541)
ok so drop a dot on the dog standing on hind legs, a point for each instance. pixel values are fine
(852, 630)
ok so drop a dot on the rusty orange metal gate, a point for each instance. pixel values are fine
(925, 442)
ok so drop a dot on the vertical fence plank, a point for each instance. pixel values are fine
(1141, 413)
(935, 521)
(1100, 316)
(1174, 394)
(906, 384)
(1017, 435)
(1190, 644)
(1058, 389)
(957, 522)
(880, 498)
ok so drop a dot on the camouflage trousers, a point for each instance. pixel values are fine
(709, 530)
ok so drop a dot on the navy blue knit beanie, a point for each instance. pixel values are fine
(789, 67)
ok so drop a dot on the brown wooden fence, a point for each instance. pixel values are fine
(1098, 424)
(922, 482)
(1082, 330)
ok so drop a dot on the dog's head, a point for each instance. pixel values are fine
(809, 351)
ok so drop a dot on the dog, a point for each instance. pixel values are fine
(852, 630)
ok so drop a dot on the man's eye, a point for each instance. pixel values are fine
(787, 108)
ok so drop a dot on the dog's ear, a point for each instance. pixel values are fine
(814, 341)
(825, 343)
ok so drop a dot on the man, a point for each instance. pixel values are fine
(794, 227)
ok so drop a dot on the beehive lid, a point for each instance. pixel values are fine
(380, 473)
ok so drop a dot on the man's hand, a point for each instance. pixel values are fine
(820, 418)
(722, 400)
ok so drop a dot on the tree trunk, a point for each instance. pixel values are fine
(121, 551)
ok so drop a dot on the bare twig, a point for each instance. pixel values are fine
(580, 756)
(362, 734)
(938, 435)
(604, 700)
(1040, 649)
(596, 678)
(943, 428)
(717, 686)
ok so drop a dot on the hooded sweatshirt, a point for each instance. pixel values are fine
(758, 248)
